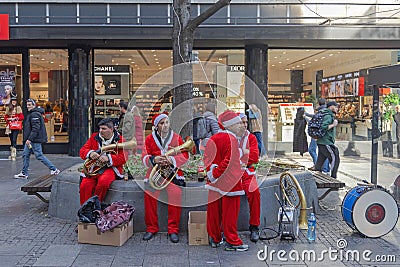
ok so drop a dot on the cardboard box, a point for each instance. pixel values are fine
(197, 228)
(88, 233)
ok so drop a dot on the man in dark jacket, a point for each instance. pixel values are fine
(34, 134)
(326, 144)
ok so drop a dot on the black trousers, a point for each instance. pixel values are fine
(13, 137)
(330, 152)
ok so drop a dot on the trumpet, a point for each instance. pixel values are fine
(91, 167)
(162, 176)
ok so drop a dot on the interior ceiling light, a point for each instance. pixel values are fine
(51, 62)
(275, 57)
(280, 62)
(42, 59)
(129, 59)
(153, 50)
(315, 59)
(273, 65)
(322, 57)
(121, 50)
(330, 55)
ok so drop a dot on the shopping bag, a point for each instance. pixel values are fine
(15, 125)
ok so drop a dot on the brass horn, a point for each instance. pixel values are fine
(92, 166)
(162, 176)
(294, 195)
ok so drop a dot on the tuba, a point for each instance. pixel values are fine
(294, 195)
(162, 176)
(91, 167)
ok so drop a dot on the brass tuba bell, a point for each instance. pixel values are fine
(92, 166)
(162, 176)
(294, 195)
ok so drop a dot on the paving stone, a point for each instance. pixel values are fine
(58, 255)
(90, 260)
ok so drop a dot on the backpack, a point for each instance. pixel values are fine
(314, 126)
(201, 128)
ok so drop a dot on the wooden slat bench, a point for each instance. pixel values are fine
(324, 181)
(39, 185)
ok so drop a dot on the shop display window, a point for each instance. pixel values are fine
(49, 88)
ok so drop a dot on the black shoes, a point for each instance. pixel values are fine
(174, 238)
(147, 236)
(254, 235)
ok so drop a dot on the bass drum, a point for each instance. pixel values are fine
(371, 211)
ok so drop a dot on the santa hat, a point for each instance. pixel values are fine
(228, 118)
(158, 117)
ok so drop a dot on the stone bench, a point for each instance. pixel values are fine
(64, 199)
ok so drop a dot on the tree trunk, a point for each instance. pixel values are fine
(182, 43)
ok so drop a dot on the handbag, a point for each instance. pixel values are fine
(15, 125)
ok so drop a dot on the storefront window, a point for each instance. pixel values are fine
(10, 86)
(118, 74)
(48, 82)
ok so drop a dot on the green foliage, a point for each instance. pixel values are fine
(389, 101)
(191, 167)
(134, 166)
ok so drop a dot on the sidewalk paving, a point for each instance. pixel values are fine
(29, 237)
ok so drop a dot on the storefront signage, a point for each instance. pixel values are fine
(197, 92)
(341, 85)
(4, 27)
(7, 74)
(112, 68)
(233, 68)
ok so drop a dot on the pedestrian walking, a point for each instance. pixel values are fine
(326, 144)
(312, 149)
(34, 134)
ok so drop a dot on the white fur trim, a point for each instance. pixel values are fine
(231, 121)
(145, 159)
(159, 118)
(235, 193)
(210, 175)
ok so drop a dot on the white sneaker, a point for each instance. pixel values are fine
(20, 176)
(55, 172)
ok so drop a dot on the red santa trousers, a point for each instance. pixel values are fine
(250, 187)
(174, 193)
(222, 216)
(96, 185)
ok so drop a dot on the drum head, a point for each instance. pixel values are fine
(375, 213)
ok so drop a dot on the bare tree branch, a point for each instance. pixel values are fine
(194, 23)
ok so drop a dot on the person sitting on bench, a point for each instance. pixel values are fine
(99, 183)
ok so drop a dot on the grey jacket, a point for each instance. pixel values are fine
(211, 123)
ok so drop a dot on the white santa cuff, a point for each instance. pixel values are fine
(210, 174)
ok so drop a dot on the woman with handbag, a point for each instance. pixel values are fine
(14, 118)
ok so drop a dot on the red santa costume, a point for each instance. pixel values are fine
(249, 146)
(100, 183)
(222, 161)
(156, 146)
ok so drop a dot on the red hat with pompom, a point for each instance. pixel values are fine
(158, 117)
(228, 118)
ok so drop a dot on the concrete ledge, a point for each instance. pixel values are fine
(64, 199)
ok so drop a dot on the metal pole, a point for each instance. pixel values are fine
(375, 134)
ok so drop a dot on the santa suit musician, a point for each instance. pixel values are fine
(222, 161)
(157, 144)
(249, 146)
(100, 183)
